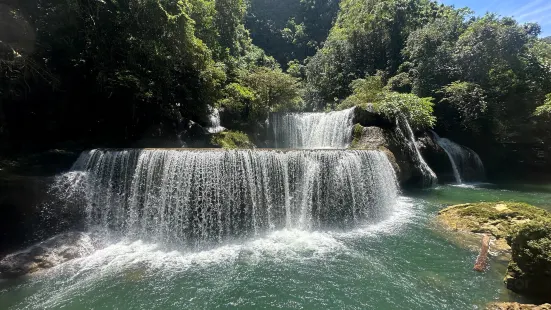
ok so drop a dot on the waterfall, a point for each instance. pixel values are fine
(466, 164)
(196, 196)
(312, 130)
(429, 177)
(215, 125)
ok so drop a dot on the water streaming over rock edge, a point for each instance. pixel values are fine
(312, 130)
(215, 123)
(466, 164)
(404, 130)
(197, 196)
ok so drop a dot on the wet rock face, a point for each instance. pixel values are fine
(385, 139)
(29, 211)
(436, 158)
(47, 254)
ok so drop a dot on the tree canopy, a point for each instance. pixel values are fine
(117, 72)
(487, 74)
(291, 29)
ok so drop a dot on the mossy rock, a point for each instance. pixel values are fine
(357, 136)
(527, 231)
(232, 140)
(495, 218)
(529, 271)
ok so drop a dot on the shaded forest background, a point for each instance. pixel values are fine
(119, 73)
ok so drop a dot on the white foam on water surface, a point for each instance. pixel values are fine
(135, 261)
(286, 244)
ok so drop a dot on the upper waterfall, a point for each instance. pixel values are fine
(215, 124)
(192, 196)
(466, 164)
(312, 130)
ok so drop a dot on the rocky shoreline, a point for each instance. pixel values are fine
(517, 306)
(519, 231)
(47, 254)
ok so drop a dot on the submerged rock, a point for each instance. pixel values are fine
(518, 228)
(516, 306)
(47, 254)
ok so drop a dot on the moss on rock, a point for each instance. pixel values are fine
(494, 218)
(232, 140)
(357, 136)
(529, 271)
(527, 231)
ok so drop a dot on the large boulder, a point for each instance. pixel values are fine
(47, 254)
(377, 138)
(529, 272)
(394, 144)
(521, 229)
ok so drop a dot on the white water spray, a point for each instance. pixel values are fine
(215, 124)
(313, 130)
(192, 196)
(429, 177)
(466, 164)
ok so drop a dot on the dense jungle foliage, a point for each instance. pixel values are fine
(120, 71)
(291, 30)
(487, 76)
(143, 72)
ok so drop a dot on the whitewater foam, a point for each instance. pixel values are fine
(331, 130)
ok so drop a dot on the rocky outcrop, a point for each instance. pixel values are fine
(47, 254)
(529, 271)
(29, 210)
(481, 218)
(367, 117)
(377, 138)
(232, 140)
(387, 139)
(496, 218)
(516, 306)
(518, 228)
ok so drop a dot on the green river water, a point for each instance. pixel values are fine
(404, 262)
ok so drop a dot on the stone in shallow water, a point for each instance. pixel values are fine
(47, 254)
(516, 306)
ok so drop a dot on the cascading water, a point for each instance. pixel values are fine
(192, 196)
(312, 130)
(429, 177)
(215, 124)
(466, 164)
